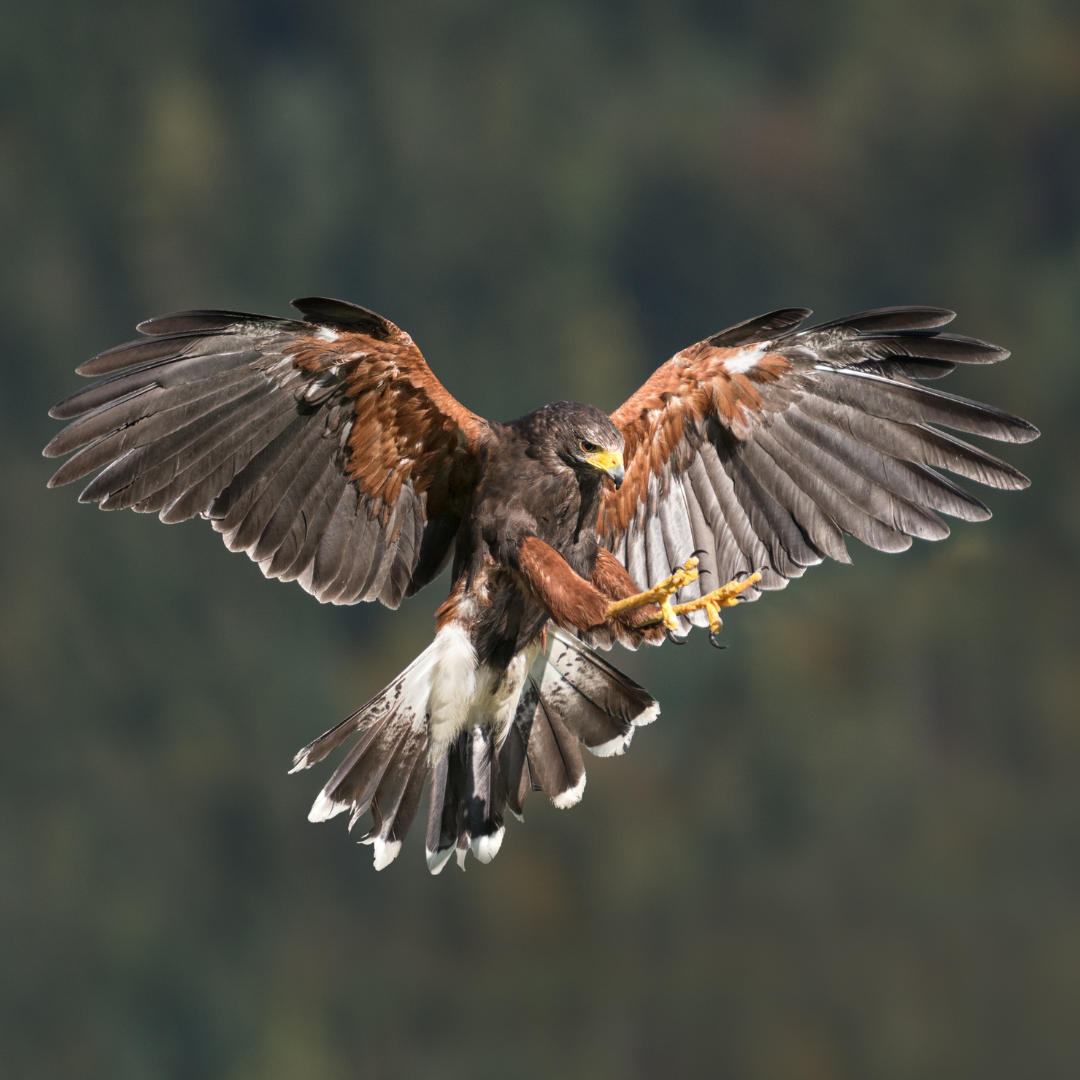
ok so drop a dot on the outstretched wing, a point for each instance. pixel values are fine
(763, 446)
(326, 449)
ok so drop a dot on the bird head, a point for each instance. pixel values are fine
(591, 441)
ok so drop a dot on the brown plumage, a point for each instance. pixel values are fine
(329, 452)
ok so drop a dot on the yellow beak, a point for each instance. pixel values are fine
(610, 463)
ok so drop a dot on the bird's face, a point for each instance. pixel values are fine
(580, 436)
(599, 446)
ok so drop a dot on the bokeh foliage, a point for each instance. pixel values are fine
(851, 846)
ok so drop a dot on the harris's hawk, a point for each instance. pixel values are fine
(328, 451)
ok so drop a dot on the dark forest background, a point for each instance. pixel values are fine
(851, 846)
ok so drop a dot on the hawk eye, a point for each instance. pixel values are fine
(588, 447)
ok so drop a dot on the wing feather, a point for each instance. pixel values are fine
(253, 528)
(295, 529)
(271, 448)
(918, 443)
(357, 552)
(324, 448)
(150, 467)
(764, 445)
(868, 508)
(315, 525)
(200, 496)
(910, 480)
(305, 479)
(774, 470)
(217, 455)
(747, 549)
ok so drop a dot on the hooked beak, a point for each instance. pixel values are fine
(609, 462)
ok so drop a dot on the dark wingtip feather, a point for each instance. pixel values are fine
(1020, 431)
(197, 321)
(59, 444)
(963, 350)
(323, 309)
(912, 403)
(760, 328)
(139, 351)
(930, 345)
(56, 480)
(71, 407)
(898, 317)
(76, 467)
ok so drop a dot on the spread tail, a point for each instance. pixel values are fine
(571, 696)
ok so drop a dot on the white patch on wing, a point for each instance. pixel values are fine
(326, 334)
(746, 358)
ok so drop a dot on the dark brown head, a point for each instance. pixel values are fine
(581, 436)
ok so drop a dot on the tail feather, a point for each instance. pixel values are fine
(388, 829)
(394, 782)
(335, 797)
(466, 812)
(486, 796)
(554, 754)
(571, 697)
(446, 808)
(357, 778)
(396, 799)
(392, 744)
(597, 702)
(514, 773)
(384, 702)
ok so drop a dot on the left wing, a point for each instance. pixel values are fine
(762, 447)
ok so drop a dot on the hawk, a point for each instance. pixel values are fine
(326, 449)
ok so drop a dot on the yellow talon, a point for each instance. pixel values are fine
(726, 596)
(660, 594)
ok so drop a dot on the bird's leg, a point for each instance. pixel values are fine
(726, 596)
(659, 594)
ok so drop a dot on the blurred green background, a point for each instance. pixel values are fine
(851, 846)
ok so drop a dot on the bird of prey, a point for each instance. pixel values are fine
(327, 450)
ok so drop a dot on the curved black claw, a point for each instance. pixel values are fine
(714, 643)
(692, 555)
(745, 574)
(673, 639)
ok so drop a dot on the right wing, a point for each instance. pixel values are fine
(325, 449)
